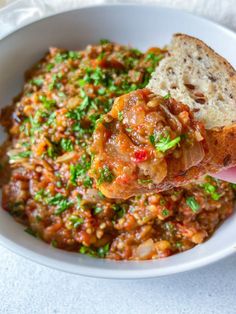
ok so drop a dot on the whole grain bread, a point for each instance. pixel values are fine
(197, 76)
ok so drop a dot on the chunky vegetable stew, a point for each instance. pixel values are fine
(144, 140)
(49, 187)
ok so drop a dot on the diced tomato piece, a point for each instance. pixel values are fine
(123, 179)
(144, 93)
(140, 155)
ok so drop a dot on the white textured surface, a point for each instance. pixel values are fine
(29, 288)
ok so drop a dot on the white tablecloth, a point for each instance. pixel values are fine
(26, 287)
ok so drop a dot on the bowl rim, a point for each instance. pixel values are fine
(94, 272)
(110, 273)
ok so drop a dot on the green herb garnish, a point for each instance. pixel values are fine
(105, 175)
(60, 202)
(31, 232)
(37, 81)
(164, 143)
(87, 182)
(167, 96)
(145, 181)
(60, 57)
(87, 250)
(76, 221)
(233, 185)
(120, 115)
(74, 55)
(66, 145)
(101, 195)
(102, 251)
(48, 103)
(54, 243)
(97, 210)
(104, 41)
(120, 210)
(25, 154)
(49, 66)
(80, 169)
(211, 190)
(52, 152)
(165, 212)
(41, 195)
(193, 204)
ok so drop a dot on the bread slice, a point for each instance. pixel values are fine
(197, 76)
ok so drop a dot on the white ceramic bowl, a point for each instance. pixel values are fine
(142, 27)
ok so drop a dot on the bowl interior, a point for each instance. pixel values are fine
(141, 27)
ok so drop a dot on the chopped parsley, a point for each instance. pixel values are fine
(120, 210)
(120, 115)
(51, 118)
(76, 221)
(144, 181)
(74, 55)
(233, 185)
(60, 57)
(211, 190)
(54, 243)
(66, 145)
(55, 81)
(164, 143)
(154, 60)
(49, 66)
(193, 204)
(97, 210)
(153, 57)
(60, 202)
(48, 103)
(105, 175)
(104, 41)
(41, 195)
(38, 218)
(87, 250)
(88, 182)
(167, 96)
(80, 169)
(101, 195)
(52, 151)
(37, 81)
(102, 251)
(178, 245)
(101, 55)
(25, 154)
(31, 232)
(165, 212)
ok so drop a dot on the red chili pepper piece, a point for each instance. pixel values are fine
(140, 155)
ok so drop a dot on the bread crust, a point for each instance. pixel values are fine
(221, 155)
(221, 141)
(226, 66)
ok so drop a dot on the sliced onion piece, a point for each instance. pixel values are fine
(146, 249)
(193, 155)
